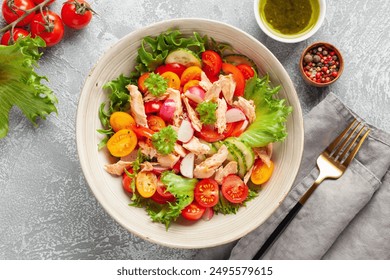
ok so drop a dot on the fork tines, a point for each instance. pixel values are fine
(344, 148)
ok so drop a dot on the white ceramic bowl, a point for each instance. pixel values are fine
(293, 38)
(221, 229)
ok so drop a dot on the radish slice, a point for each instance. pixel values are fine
(234, 115)
(187, 166)
(208, 214)
(196, 94)
(185, 132)
(167, 109)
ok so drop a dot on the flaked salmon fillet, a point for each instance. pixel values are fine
(167, 160)
(264, 153)
(212, 94)
(175, 95)
(205, 82)
(137, 108)
(222, 172)
(195, 122)
(207, 168)
(246, 106)
(221, 115)
(118, 167)
(228, 86)
(147, 150)
(196, 147)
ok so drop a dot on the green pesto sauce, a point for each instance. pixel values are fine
(289, 17)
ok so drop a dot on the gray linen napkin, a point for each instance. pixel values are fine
(348, 218)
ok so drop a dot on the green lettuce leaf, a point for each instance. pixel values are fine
(183, 189)
(154, 50)
(271, 114)
(20, 85)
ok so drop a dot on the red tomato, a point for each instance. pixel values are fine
(228, 68)
(211, 63)
(155, 123)
(153, 106)
(48, 25)
(141, 131)
(40, 1)
(162, 196)
(193, 211)
(126, 181)
(14, 9)
(141, 82)
(176, 68)
(234, 189)
(246, 70)
(210, 134)
(76, 13)
(207, 192)
(238, 128)
(18, 32)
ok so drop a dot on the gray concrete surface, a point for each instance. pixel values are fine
(46, 208)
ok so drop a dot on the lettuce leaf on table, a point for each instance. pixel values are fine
(271, 114)
(20, 85)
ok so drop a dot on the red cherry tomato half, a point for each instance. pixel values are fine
(48, 25)
(141, 131)
(37, 2)
(207, 192)
(126, 181)
(211, 63)
(246, 71)
(234, 189)
(162, 196)
(18, 32)
(153, 106)
(193, 211)
(238, 128)
(228, 68)
(12, 10)
(76, 13)
(210, 134)
(176, 68)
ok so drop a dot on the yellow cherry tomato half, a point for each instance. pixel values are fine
(121, 120)
(189, 84)
(146, 183)
(172, 79)
(261, 172)
(191, 73)
(122, 143)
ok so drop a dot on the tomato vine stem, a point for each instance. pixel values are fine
(27, 13)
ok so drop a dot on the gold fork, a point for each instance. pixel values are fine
(332, 163)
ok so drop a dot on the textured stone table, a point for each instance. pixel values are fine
(46, 208)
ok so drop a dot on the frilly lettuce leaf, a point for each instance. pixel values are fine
(154, 50)
(20, 85)
(271, 114)
(183, 189)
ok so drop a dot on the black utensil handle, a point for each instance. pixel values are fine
(280, 228)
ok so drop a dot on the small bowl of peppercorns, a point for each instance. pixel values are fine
(321, 64)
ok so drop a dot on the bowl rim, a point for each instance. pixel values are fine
(297, 39)
(80, 116)
(340, 58)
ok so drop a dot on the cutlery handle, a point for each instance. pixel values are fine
(280, 228)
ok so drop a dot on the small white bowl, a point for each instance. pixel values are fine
(289, 38)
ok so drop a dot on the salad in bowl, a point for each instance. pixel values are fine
(191, 129)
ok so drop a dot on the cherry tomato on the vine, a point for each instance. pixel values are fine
(48, 25)
(18, 32)
(14, 9)
(40, 1)
(76, 13)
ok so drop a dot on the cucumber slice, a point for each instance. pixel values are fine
(247, 151)
(237, 59)
(183, 56)
(232, 156)
(238, 155)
